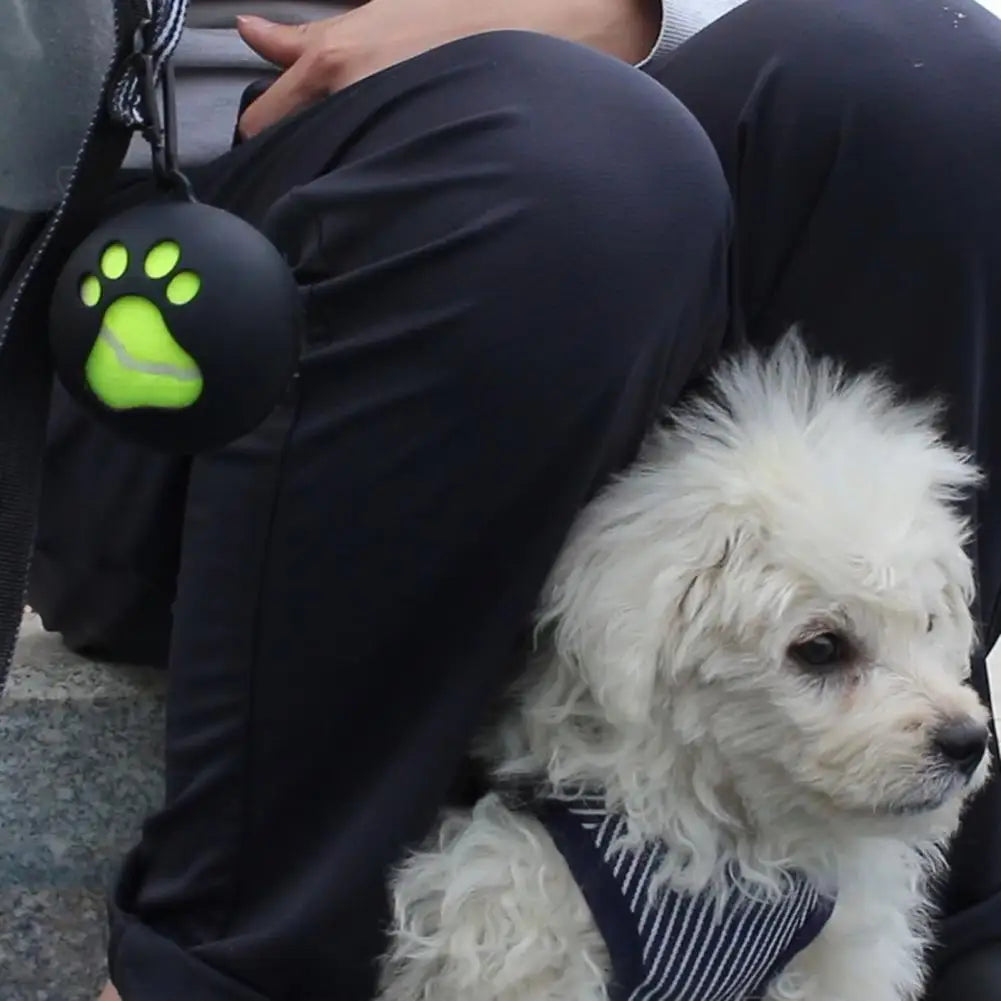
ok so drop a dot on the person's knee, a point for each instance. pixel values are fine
(910, 80)
(594, 138)
(623, 187)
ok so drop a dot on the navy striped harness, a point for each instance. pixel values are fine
(670, 946)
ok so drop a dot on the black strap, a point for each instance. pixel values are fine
(35, 251)
(605, 900)
(33, 254)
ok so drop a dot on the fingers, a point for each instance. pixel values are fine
(281, 44)
(285, 45)
(296, 88)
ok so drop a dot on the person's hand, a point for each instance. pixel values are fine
(325, 56)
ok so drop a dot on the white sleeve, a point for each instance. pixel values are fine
(680, 19)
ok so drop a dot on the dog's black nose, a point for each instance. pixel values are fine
(962, 742)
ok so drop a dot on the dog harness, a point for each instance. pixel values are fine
(670, 946)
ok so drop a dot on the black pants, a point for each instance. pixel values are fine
(513, 252)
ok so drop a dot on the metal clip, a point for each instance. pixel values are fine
(159, 113)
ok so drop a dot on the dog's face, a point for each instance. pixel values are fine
(781, 587)
(835, 682)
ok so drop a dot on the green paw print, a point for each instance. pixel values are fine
(135, 361)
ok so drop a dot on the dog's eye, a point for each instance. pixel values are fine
(931, 623)
(821, 651)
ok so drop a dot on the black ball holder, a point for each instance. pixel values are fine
(176, 323)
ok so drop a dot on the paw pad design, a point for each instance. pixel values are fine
(136, 361)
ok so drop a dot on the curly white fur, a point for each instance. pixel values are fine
(788, 502)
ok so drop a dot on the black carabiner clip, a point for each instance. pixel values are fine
(160, 128)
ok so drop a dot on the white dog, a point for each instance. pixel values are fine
(749, 736)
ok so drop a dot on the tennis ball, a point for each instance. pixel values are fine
(135, 361)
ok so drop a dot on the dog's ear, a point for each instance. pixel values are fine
(636, 588)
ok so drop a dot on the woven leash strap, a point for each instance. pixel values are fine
(164, 23)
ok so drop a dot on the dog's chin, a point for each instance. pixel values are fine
(933, 806)
(927, 807)
(913, 807)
